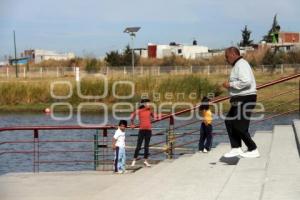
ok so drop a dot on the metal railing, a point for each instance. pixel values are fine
(170, 139)
(170, 147)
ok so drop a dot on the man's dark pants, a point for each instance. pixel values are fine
(238, 120)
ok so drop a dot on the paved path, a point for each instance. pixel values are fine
(275, 175)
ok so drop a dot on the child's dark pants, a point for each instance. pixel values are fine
(205, 137)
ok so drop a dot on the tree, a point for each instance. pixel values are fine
(246, 37)
(127, 56)
(114, 58)
(272, 35)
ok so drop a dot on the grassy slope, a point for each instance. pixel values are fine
(34, 95)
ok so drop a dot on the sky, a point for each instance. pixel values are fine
(94, 27)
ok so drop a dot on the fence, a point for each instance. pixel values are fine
(24, 72)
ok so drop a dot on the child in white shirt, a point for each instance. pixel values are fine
(118, 145)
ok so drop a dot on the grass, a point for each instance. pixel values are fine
(34, 95)
(19, 93)
(288, 101)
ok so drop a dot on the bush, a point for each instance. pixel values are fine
(31, 93)
(92, 65)
(273, 58)
(180, 61)
(293, 57)
(188, 84)
(13, 93)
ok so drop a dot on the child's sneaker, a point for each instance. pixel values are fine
(147, 164)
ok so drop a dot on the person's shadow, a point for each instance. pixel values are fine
(230, 161)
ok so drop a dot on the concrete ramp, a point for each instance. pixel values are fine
(185, 178)
(283, 170)
(208, 176)
(296, 123)
(248, 178)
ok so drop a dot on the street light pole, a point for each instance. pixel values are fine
(132, 31)
(16, 62)
(132, 51)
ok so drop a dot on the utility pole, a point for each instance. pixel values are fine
(16, 61)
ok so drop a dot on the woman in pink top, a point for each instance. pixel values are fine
(145, 116)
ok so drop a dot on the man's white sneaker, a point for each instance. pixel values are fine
(251, 154)
(147, 164)
(234, 152)
(205, 151)
(133, 163)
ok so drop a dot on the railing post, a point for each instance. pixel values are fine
(35, 151)
(57, 72)
(41, 72)
(105, 152)
(208, 69)
(170, 139)
(7, 72)
(77, 74)
(96, 151)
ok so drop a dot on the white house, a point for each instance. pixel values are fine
(186, 51)
(38, 55)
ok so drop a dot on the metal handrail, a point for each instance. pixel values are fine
(75, 127)
(220, 99)
(104, 128)
(197, 140)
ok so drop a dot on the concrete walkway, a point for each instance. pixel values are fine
(275, 175)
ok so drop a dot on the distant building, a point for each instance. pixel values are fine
(212, 53)
(186, 51)
(287, 41)
(143, 52)
(19, 61)
(3, 63)
(39, 55)
(289, 37)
